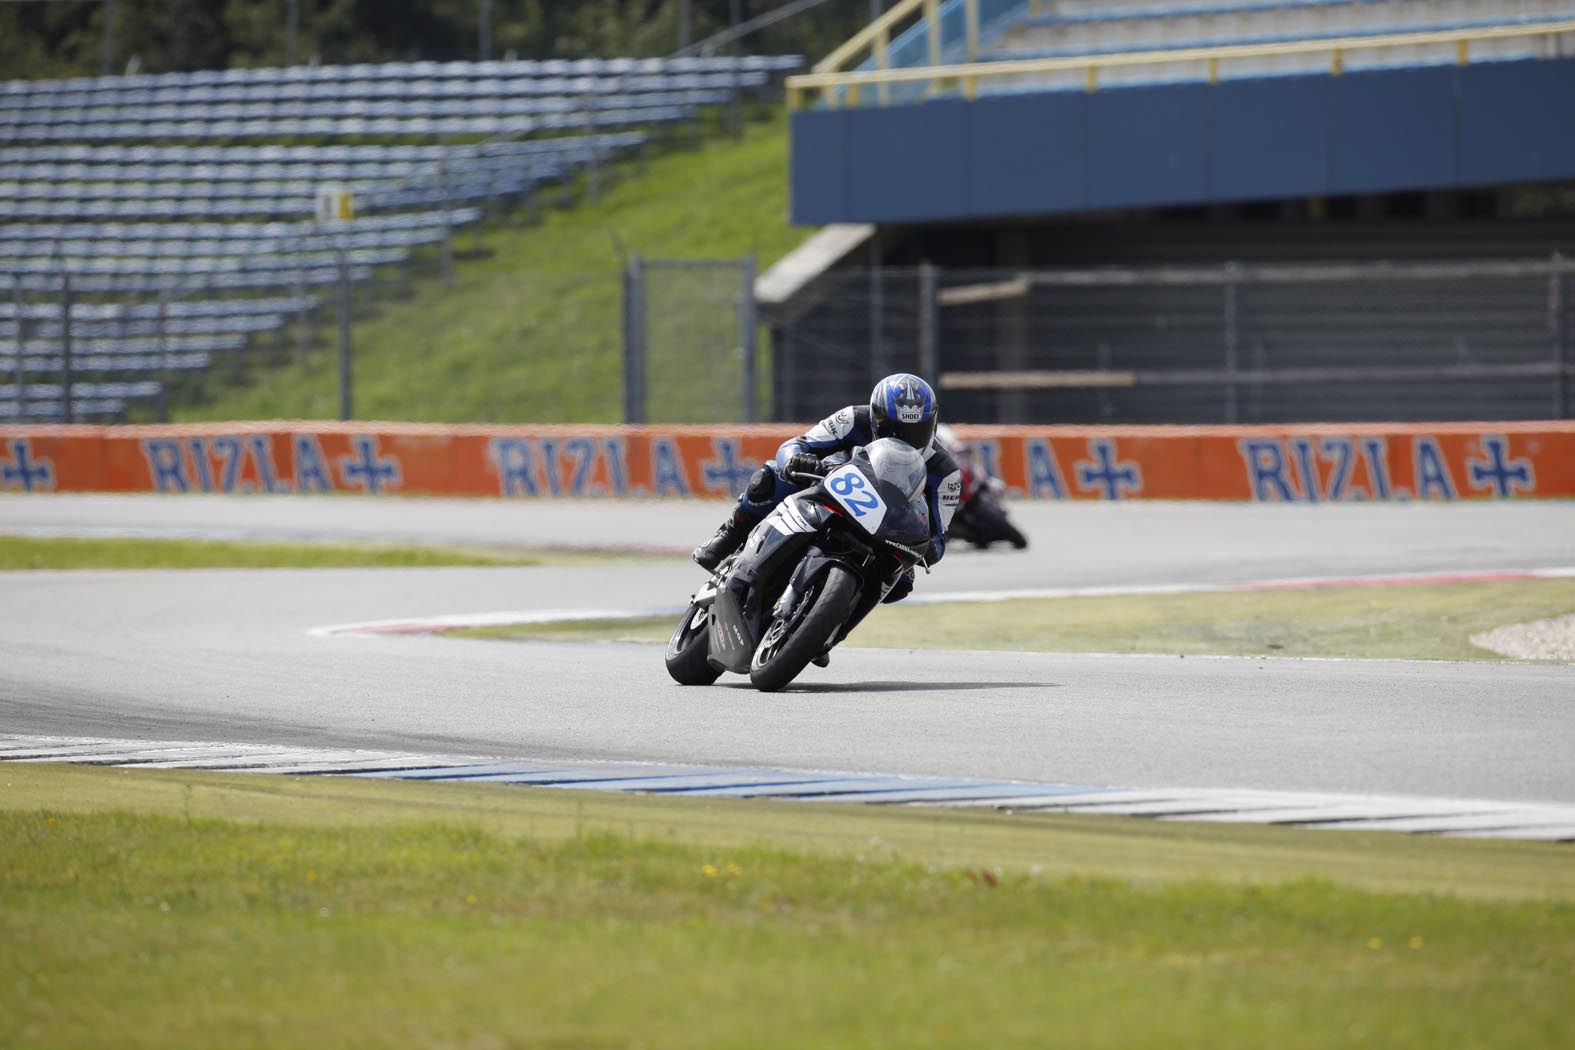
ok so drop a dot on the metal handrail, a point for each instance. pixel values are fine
(874, 36)
(969, 74)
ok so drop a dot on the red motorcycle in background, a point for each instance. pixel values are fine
(980, 518)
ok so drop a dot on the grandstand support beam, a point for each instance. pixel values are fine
(448, 228)
(292, 46)
(67, 409)
(634, 340)
(1558, 321)
(109, 55)
(346, 377)
(932, 29)
(301, 334)
(484, 21)
(1232, 344)
(878, 361)
(162, 402)
(929, 323)
(735, 114)
(21, 337)
(748, 325)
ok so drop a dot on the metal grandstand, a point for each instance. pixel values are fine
(158, 225)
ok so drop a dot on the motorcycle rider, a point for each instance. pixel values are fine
(901, 406)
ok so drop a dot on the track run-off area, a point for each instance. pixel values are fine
(229, 669)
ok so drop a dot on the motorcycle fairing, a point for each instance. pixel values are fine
(736, 613)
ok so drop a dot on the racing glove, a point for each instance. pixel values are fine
(804, 463)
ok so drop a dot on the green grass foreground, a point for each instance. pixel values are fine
(145, 908)
(1404, 621)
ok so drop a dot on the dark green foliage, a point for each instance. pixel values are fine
(68, 39)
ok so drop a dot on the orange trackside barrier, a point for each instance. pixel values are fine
(1291, 463)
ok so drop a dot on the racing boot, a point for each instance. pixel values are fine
(729, 537)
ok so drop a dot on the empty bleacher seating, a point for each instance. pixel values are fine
(1079, 28)
(189, 198)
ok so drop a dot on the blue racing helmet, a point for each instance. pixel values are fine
(903, 406)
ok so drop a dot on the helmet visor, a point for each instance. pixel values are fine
(918, 434)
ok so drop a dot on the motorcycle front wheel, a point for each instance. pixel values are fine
(790, 644)
(686, 650)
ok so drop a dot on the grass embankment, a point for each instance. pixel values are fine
(145, 908)
(1424, 622)
(530, 331)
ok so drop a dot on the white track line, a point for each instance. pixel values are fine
(1473, 818)
(461, 621)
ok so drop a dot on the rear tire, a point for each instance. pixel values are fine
(778, 660)
(996, 526)
(687, 649)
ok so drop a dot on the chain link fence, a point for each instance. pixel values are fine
(130, 333)
(1476, 340)
(690, 341)
(1203, 344)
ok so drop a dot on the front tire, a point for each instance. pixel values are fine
(687, 649)
(789, 645)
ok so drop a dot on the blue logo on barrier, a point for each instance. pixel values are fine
(167, 464)
(1376, 451)
(1432, 473)
(366, 469)
(311, 466)
(1507, 476)
(533, 466)
(1276, 475)
(515, 458)
(1118, 479)
(23, 472)
(667, 469)
(1044, 474)
(1266, 467)
(727, 471)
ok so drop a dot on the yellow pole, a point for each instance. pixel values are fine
(883, 61)
(1091, 80)
(932, 25)
(1461, 49)
(1338, 65)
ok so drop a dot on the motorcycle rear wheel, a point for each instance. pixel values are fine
(997, 526)
(789, 645)
(687, 649)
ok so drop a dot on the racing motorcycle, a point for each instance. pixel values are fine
(981, 519)
(809, 572)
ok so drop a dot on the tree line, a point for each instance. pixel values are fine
(64, 38)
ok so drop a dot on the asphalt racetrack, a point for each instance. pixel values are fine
(232, 656)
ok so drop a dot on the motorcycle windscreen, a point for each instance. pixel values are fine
(899, 473)
(897, 463)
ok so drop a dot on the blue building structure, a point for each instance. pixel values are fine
(1191, 210)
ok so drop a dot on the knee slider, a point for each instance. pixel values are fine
(762, 485)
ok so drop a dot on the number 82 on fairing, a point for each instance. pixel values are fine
(849, 487)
